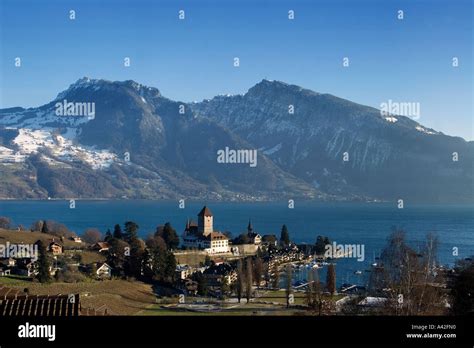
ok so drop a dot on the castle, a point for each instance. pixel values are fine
(203, 236)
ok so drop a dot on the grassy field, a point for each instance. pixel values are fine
(120, 296)
(26, 237)
(87, 256)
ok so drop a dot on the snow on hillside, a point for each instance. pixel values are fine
(62, 147)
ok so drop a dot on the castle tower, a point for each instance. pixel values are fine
(205, 221)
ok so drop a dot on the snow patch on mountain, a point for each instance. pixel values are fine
(8, 156)
(391, 119)
(424, 130)
(61, 147)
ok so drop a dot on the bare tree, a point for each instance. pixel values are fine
(408, 279)
(288, 287)
(249, 269)
(5, 222)
(258, 270)
(92, 235)
(240, 280)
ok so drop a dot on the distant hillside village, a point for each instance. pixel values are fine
(205, 263)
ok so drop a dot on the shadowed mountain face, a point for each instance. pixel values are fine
(140, 144)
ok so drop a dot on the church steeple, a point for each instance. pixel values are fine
(250, 227)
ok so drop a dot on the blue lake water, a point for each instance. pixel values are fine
(362, 223)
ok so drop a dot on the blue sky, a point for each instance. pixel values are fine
(192, 59)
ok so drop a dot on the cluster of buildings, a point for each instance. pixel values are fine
(201, 235)
(28, 266)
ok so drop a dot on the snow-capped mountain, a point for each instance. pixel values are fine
(103, 139)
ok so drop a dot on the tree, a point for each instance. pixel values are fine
(462, 286)
(131, 230)
(411, 276)
(118, 232)
(118, 252)
(202, 287)
(240, 280)
(207, 261)
(276, 278)
(44, 227)
(37, 226)
(154, 242)
(258, 270)
(43, 264)
(320, 246)
(249, 269)
(92, 236)
(168, 233)
(108, 235)
(314, 296)
(241, 239)
(269, 239)
(134, 262)
(159, 263)
(225, 288)
(288, 288)
(331, 279)
(5, 222)
(285, 236)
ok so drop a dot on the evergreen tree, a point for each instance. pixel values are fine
(108, 235)
(118, 232)
(285, 236)
(44, 228)
(43, 264)
(131, 231)
(117, 255)
(160, 263)
(168, 233)
(134, 262)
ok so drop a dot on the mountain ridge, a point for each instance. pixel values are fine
(173, 145)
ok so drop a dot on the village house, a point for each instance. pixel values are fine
(203, 236)
(183, 271)
(104, 271)
(25, 267)
(215, 275)
(4, 271)
(101, 247)
(8, 262)
(77, 239)
(55, 248)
